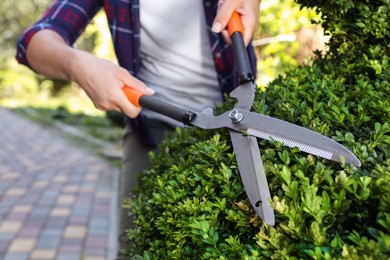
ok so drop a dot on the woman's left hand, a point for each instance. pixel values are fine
(248, 10)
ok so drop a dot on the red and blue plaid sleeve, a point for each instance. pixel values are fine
(66, 17)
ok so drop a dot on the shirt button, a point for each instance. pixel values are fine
(207, 4)
(218, 55)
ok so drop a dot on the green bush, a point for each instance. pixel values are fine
(192, 204)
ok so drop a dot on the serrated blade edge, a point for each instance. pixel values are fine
(291, 143)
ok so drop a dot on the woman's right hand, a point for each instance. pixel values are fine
(101, 79)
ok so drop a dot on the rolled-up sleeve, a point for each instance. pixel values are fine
(67, 18)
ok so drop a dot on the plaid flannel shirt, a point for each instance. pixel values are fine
(70, 17)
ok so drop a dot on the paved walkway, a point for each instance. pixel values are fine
(57, 200)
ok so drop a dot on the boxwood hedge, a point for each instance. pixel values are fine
(192, 205)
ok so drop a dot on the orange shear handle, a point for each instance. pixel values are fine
(235, 25)
(133, 95)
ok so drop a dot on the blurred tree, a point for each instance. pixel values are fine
(286, 38)
(15, 17)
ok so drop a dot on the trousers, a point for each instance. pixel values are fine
(134, 160)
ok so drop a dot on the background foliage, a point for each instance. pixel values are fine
(192, 205)
(49, 101)
(286, 37)
(19, 86)
(16, 81)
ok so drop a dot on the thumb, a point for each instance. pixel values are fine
(132, 82)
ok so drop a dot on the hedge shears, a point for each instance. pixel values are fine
(245, 127)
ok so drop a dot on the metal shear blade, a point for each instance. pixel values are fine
(249, 160)
(253, 175)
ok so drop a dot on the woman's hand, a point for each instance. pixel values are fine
(101, 79)
(248, 10)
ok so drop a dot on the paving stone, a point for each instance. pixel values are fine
(60, 179)
(91, 177)
(95, 252)
(66, 199)
(60, 212)
(41, 184)
(79, 220)
(17, 216)
(45, 201)
(4, 246)
(50, 193)
(52, 233)
(96, 242)
(94, 258)
(22, 208)
(6, 237)
(97, 231)
(16, 192)
(35, 221)
(29, 232)
(42, 254)
(103, 195)
(48, 243)
(10, 176)
(81, 211)
(71, 189)
(68, 256)
(10, 226)
(75, 231)
(39, 212)
(57, 222)
(76, 248)
(30, 198)
(16, 256)
(21, 245)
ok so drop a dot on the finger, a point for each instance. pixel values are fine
(226, 36)
(251, 20)
(224, 13)
(125, 106)
(249, 28)
(132, 82)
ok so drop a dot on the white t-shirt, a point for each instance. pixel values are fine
(176, 58)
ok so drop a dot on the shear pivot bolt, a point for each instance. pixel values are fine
(236, 116)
